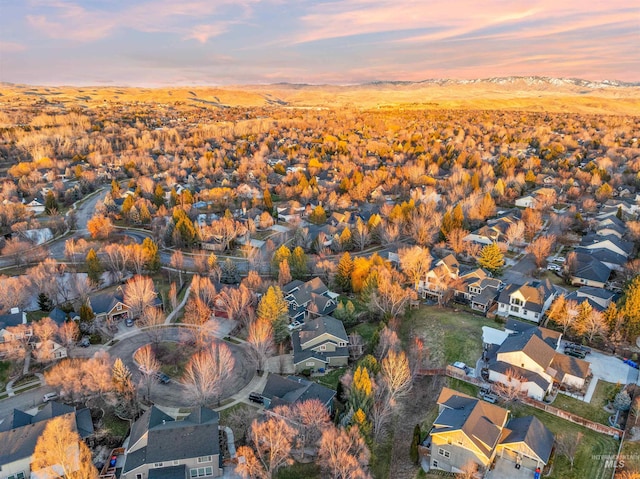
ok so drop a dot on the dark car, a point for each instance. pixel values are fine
(163, 378)
(257, 398)
(575, 353)
(128, 322)
(84, 342)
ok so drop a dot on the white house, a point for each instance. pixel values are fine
(528, 301)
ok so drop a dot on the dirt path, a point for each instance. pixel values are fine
(417, 405)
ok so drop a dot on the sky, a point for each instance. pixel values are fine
(227, 42)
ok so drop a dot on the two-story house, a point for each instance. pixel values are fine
(20, 431)
(320, 343)
(471, 431)
(161, 447)
(528, 301)
(8, 335)
(310, 299)
(478, 289)
(439, 278)
(526, 357)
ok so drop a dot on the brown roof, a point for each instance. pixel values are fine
(564, 364)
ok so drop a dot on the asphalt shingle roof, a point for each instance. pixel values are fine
(533, 433)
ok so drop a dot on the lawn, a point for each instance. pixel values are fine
(593, 410)
(225, 414)
(331, 379)
(298, 470)
(630, 456)
(593, 451)
(173, 358)
(5, 369)
(116, 426)
(449, 334)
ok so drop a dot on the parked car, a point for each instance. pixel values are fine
(128, 322)
(579, 347)
(163, 378)
(85, 342)
(295, 325)
(463, 366)
(554, 267)
(49, 397)
(256, 397)
(575, 353)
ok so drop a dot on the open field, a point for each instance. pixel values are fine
(517, 94)
(449, 334)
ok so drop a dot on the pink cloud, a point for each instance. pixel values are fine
(11, 47)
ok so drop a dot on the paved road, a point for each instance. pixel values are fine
(173, 394)
(23, 401)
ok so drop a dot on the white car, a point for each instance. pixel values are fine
(295, 325)
(554, 267)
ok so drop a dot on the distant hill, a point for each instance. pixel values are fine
(510, 93)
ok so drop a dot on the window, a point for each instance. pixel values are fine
(138, 476)
(323, 347)
(443, 453)
(309, 363)
(516, 301)
(515, 309)
(176, 463)
(158, 464)
(119, 307)
(19, 475)
(201, 472)
(342, 344)
(204, 459)
(435, 463)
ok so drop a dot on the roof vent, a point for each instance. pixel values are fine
(15, 310)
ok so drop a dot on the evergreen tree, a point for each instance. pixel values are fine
(491, 258)
(631, 308)
(152, 254)
(86, 314)
(94, 267)
(44, 303)
(415, 442)
(318, 216)
(268, 201)
(343, 275)
(299, 264)
(158, 196)
(50, 203)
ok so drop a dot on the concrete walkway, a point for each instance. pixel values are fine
(11, 391)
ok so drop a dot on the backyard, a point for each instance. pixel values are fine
(593, 410)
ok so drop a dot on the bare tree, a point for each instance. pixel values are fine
(45, 330)
(361, 236)
(148, 366)
(208, 373)
(344, 454)
(540, 248)
(60, 453)
(395, 375)
(68, 334)
(177, 263)
(260, 338)
(415, 263)
(137, 257)
(238, 303)
(270, 449)
(567, 444)
(510, 388)
(14, 293)
(139, 294)
(312, 419)
(455, 240)
(515, 233)
(152, 320)
(390, 298)
(116, 257)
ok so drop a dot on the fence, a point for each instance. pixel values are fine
(456, 373)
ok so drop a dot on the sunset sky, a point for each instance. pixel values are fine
(169, 42)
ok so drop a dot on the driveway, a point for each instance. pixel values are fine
(506, 469)
(611, 369)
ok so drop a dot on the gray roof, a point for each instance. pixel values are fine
(547, 335)
(8, 320)
(533, 433)
(530, 344)
(532, 377)
(168, 439)
(300, 355)
(535, 292)
(595, 239)
(20, 431)
(171, 472)
(589, 267)
(58, 316)
(294, 389)
(322, 325)
(604, 255)
(104, 302)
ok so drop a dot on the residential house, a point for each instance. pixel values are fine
(309, 299)
(15, 318)
(471, 431)
(538, 198)
(585, 269)
(437, 280)
(598, 298)
(528, 301)
(495, 230)
(48, 350)
(109, 307)
(610, 225)
(320, 343)
(290, 390)
(20, 431)
(527, 357)
(36, 206)
(159, 447)
(612, 243)
(478, 289)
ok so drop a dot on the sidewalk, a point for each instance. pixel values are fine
(11, 391)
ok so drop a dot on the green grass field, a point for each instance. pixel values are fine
(593, 410)
(298, 470)
(451, 335)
